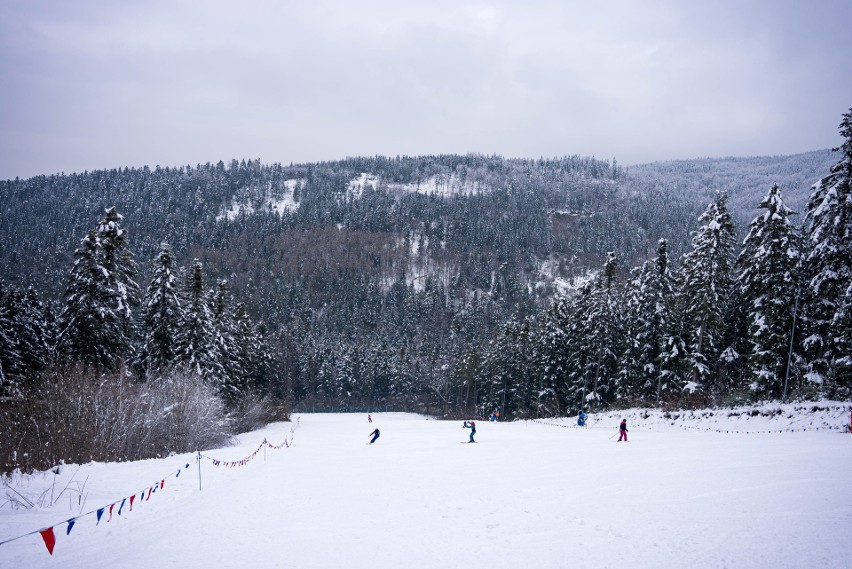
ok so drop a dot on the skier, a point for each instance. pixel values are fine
(581, 419)
(623, 431)
(375, 435)
(472, 427)
(369, 418)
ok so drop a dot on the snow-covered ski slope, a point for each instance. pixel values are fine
(527, 494)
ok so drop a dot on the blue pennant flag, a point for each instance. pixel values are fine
(121, 506)
(70, 525)
(100, 513)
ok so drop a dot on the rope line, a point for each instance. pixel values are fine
(843, 428)
(144, 494)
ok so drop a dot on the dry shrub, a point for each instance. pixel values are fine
(255, 412)
(76, 417)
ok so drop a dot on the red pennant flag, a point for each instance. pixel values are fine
(162, 483)
(49, 539)
(149, 494)
(111, 506)
(133, 497)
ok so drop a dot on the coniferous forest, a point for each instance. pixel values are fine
(136, 301)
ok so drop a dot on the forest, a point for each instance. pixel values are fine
(136, 301)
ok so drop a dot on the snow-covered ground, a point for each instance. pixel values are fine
(270, 203)
(769, 491)
(439, 185)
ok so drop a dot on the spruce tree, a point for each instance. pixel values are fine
(768, 287)
(553, 358)
(648, 306)
(197, 343)
(96, 325)
(82, 326)
(161, 316)
(828, 269)
(596, 339)
(119, 285)
(10, 356)
(706, 278)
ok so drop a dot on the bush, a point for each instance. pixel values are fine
(254, 412)
(75, 416)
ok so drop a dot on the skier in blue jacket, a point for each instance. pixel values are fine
(472, 427)
(375, 435)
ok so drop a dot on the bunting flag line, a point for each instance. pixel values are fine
(48, 535)
(246, 460)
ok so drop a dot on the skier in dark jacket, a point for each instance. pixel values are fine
(375, 435)
(623, 431)
(472, 427)
(581, 419)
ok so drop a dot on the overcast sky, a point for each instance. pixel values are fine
(88, 85)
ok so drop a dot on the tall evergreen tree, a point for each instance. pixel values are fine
(96, 325)
(119, 284)
(706, 281)
(197, 345)
(553, 358)
(649, 306)
(828, 267)
(767, 283)
(81, 323)
(596, 340)
(161, 316)
(10, 356)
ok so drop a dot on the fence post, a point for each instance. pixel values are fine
(199, 471)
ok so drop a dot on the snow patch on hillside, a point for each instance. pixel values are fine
(270, 203)
(552, 274)
(440, 185)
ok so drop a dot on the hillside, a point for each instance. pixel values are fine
(395, 280)
(745, 179)
(456, 219)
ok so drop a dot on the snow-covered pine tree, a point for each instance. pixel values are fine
(552, 359)
(161, 316)
(605, 326)
(828, 268)
(236, 382)
(10, 355)
(253, 350)
(649, 305)
(119, 285)
(596, 339)
(79, 322)
(576, 388)
(402, 388)
(197, 345)
(96, 322)
(706, 282)
(767, 282)
(500, 376)
(843, 322)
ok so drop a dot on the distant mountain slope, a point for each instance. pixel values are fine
(471, 223)
(747, 180)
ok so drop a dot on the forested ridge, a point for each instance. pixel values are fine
(450, 284)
